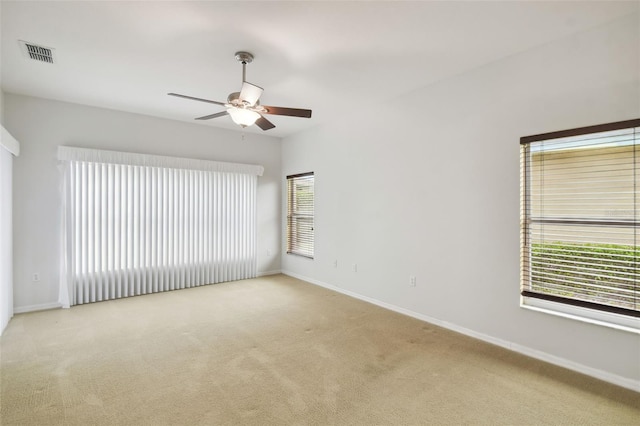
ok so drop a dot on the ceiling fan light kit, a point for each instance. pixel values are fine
(244, 106)
(243, 117)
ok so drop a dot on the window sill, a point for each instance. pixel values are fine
(306, 256)
(591, 316)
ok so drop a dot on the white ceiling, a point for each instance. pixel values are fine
(330, 57)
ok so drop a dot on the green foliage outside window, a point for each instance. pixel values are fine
(586, 271)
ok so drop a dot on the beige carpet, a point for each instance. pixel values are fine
(277, 351)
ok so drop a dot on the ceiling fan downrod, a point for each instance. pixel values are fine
(244, 58)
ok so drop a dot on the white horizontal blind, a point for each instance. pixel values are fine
(136, 229)
(300, 214)
(580, 217)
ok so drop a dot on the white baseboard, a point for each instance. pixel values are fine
(533, 353)
(33, 308)
(265, 273)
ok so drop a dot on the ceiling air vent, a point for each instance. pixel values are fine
(37, 53)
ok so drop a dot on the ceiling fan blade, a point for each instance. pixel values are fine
(216, 115)
(196, 99)
(250, 93)
(264, 124)
(292, 112)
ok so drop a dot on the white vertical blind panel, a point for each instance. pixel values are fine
(139, 229)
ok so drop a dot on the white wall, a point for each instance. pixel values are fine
(428, 185)
(42, 125)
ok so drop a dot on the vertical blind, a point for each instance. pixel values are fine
(300, 212)
(137, 224)
(580, 216)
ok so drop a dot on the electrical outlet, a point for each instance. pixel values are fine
(412, 281)
(36, 277)
(354, 267)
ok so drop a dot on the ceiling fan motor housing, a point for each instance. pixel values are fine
(234, 99)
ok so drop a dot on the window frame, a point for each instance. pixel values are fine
(620, 318)
(293, 246)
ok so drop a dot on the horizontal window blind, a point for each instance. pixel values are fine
(140, 224)
(580, 215)
(300, 214)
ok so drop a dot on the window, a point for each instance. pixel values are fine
(138, 224)
(300, 214)
(579, 222)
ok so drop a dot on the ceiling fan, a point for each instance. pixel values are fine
(244, 106)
